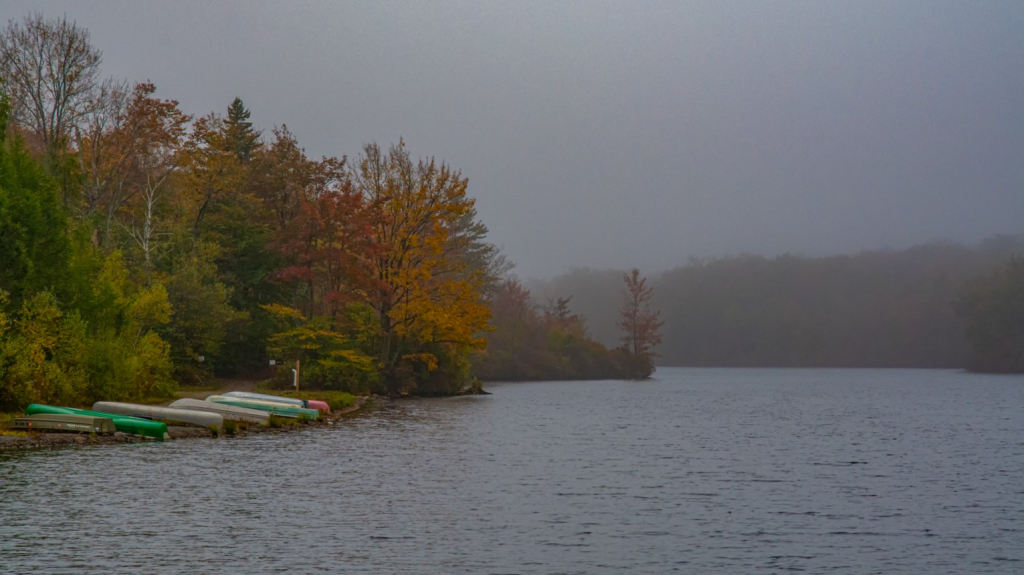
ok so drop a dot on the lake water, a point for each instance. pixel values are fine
(700, 471)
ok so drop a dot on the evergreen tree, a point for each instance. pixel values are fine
(241, 138)
(34, 247)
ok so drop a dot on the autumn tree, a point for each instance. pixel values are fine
(127, 358)
(332, 357)
(211, 174)
(640, 326)
(128, 149)
(280, 174)
(104, 160)
(187, 245)
(322, 230)
(49, 70)
(427, 298)
(154, 136)
(511, 348)
(476, 253)
(44, 354)
(531, 344)
(329, 245)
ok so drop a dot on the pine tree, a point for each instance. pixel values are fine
(241, 138)
(34, 246)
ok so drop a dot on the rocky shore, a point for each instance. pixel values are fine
(34, 440)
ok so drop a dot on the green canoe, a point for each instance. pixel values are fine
(123, 423)
(272, 407)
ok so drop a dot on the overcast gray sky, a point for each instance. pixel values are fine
(620, 134)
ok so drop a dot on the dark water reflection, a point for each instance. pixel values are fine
(702, 471)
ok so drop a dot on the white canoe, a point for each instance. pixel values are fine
(228, 412)
(200, 418)
(272, 407)
(265, 397)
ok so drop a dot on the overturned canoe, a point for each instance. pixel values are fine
(271, 407)
(64, 422)
(266, 397)
(123, 423)
(318, 405)
(228, 412)
(307, 403)
(200, 418)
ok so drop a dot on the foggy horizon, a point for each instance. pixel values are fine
(596, 135)
(766, 314)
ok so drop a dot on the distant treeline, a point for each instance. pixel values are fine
(530, 342)
(891, 308)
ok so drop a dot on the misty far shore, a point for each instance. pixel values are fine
(873, 309)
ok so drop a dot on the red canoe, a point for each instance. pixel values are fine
(318, 405)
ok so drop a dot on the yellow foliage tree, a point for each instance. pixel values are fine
(427, 296)
(330, 359)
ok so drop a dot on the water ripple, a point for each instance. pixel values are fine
(702, 471)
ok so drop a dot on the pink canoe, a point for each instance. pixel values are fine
(318, 405)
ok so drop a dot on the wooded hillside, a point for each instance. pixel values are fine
(889, 308)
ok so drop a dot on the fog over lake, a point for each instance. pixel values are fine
(716, 286)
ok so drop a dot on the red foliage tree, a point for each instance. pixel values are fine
(640, 326)
(329, 243)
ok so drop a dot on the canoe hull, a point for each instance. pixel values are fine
(265, 397)
(123, 423)
(200, 418)
(318, 405)
(273, 408)
(228, 412)
(307, 403)
(47, 422)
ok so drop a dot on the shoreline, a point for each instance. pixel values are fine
(35, 441)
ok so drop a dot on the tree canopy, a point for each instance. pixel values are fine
(188, 247)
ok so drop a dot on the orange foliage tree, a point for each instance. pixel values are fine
(128, 151)
(427, 296)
